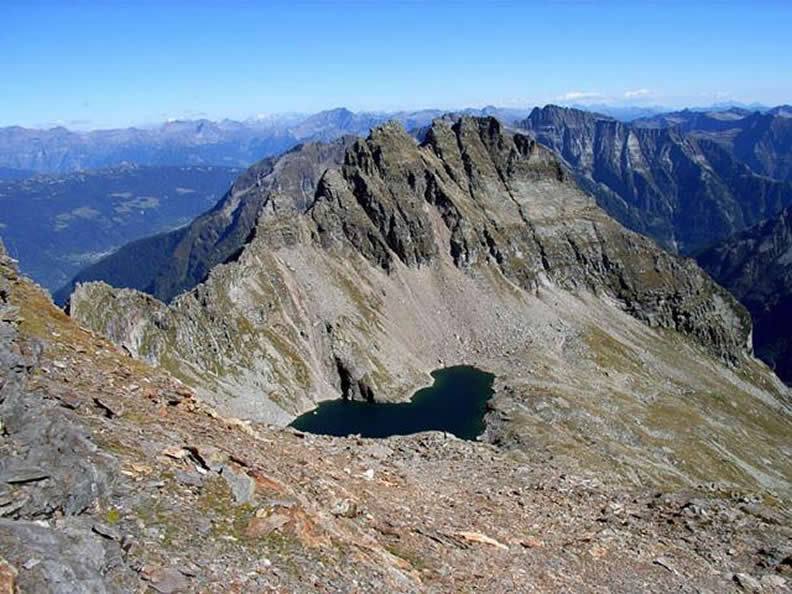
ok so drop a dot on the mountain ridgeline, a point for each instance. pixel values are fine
(177, 261)
(686, 191)
(225, 143)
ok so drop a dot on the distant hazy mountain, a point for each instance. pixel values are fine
(756, 267)
(200, 142)
(55, 225)
(625, 113)
(10, 173)
(781, 110)
(761, 140)
(685, 191)
(197, 142)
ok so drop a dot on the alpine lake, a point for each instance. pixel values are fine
(455, 403)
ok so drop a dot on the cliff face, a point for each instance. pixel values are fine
(765, 143)
(756, 266)
(473, 248)
(685, 191)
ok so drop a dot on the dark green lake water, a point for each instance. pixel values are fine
(455, 403)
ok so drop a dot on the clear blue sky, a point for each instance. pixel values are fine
(99, 64)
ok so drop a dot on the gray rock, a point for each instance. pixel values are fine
(72, 560)
(242, 486)
(111, 411)
(747, 582)
(23, 475)
(106, 531)
(190, 479)
(167, 581)
(773, 581)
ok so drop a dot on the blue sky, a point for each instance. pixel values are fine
(99, 64)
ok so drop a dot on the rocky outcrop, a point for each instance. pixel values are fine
(49, 469)
(756, 266)
(685, 192)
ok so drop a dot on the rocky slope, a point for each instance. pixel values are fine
(57, 224)
(114, 477)
(756, 266)
(685, 192)
(473, 248)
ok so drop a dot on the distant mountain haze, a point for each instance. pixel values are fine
(57, 224)
(196, 142)
(25, 151)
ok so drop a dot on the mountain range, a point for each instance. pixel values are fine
(666, 178)
(354, 268)
(763, 141)
(677, 177)
(632, 443)
(25, 151)
(194, 142)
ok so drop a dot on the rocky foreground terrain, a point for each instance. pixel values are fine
(114, 477)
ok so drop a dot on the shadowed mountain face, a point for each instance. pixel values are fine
(756, 266)
(685, 192)
(763, 141)
(56, 225)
